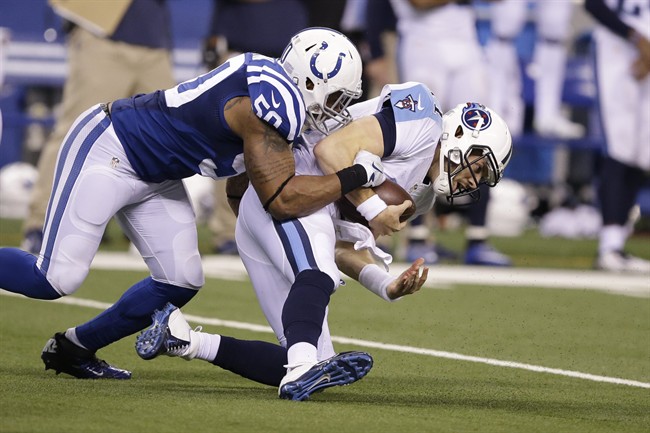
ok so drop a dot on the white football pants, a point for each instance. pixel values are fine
(275, 252)
(95, 181)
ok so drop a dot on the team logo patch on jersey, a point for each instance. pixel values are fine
(476, 117)
(409, 103)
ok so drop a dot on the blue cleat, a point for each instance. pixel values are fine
(170, 334)
(428, 252)
(483, 254)
(63, 356)
(342, 369)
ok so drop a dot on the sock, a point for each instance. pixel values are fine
(301, 353)
(255, 360)
(208, 345)
(19, 274)
(612, 238)
(71, 335)
(304, 309)
(617, 191)
(131, 313)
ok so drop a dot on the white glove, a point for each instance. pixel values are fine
(373, 166)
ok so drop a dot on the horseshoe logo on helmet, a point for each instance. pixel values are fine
(330, 74)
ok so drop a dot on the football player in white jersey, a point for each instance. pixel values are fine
(420, 151)
(553, 22)
(622, 41)
(128, 159)
(439, 46)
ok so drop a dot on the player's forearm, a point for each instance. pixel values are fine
(235, 189)
(303, 195)
(338, 150)
(350, 261)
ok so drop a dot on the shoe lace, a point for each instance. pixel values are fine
(178, 347)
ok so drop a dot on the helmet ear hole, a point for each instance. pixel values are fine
(459, 132)
(309, 84)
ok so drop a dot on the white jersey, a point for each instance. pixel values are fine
(418, 125)
(439, 47)
(623, 101)
(443, 22)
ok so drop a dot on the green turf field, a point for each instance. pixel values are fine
(577, 331)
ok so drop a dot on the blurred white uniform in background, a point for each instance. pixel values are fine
(553, 20)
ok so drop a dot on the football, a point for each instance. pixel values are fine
(388, 191)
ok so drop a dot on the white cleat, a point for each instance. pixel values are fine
(343, 369)
(618, 261)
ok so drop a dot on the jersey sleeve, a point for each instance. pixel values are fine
(274, 98)
(418, 119)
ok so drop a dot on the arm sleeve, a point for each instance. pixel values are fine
(386, 119)
(605, 16)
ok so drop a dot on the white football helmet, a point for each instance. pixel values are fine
(472, 132)
(326, 67)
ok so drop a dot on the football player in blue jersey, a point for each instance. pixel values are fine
(426, 153)
(128, 158)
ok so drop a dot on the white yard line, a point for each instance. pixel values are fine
(440, 276)
(378, 345)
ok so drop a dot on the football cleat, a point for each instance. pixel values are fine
(428, 252)
(483, 254)
(170, 335)
(63, 356)
(619, 261)
(343, 369)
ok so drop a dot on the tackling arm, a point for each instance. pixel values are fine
(338, 150)
(271, 168)
(235, 189)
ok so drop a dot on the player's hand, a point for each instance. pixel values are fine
(640, 69)
(387, 221)
(373, 166)
(643, 46)
(410, 281)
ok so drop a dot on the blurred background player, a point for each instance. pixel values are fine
(553, 19)
(114, 51)
(439, 46)
(622, 70)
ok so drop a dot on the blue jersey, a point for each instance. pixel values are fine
(176, 133)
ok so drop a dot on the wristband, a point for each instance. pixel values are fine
(352, 178)
(372, 207)
(375, 279)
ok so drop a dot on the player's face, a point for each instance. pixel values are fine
(335, 101)
(468, 176)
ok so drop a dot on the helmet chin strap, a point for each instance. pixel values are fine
(441, 184)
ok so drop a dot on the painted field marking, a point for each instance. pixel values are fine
(440, 276)
(374, 344)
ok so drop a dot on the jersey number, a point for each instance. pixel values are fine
(271, 117)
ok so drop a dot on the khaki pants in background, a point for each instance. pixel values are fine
(99, 70)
